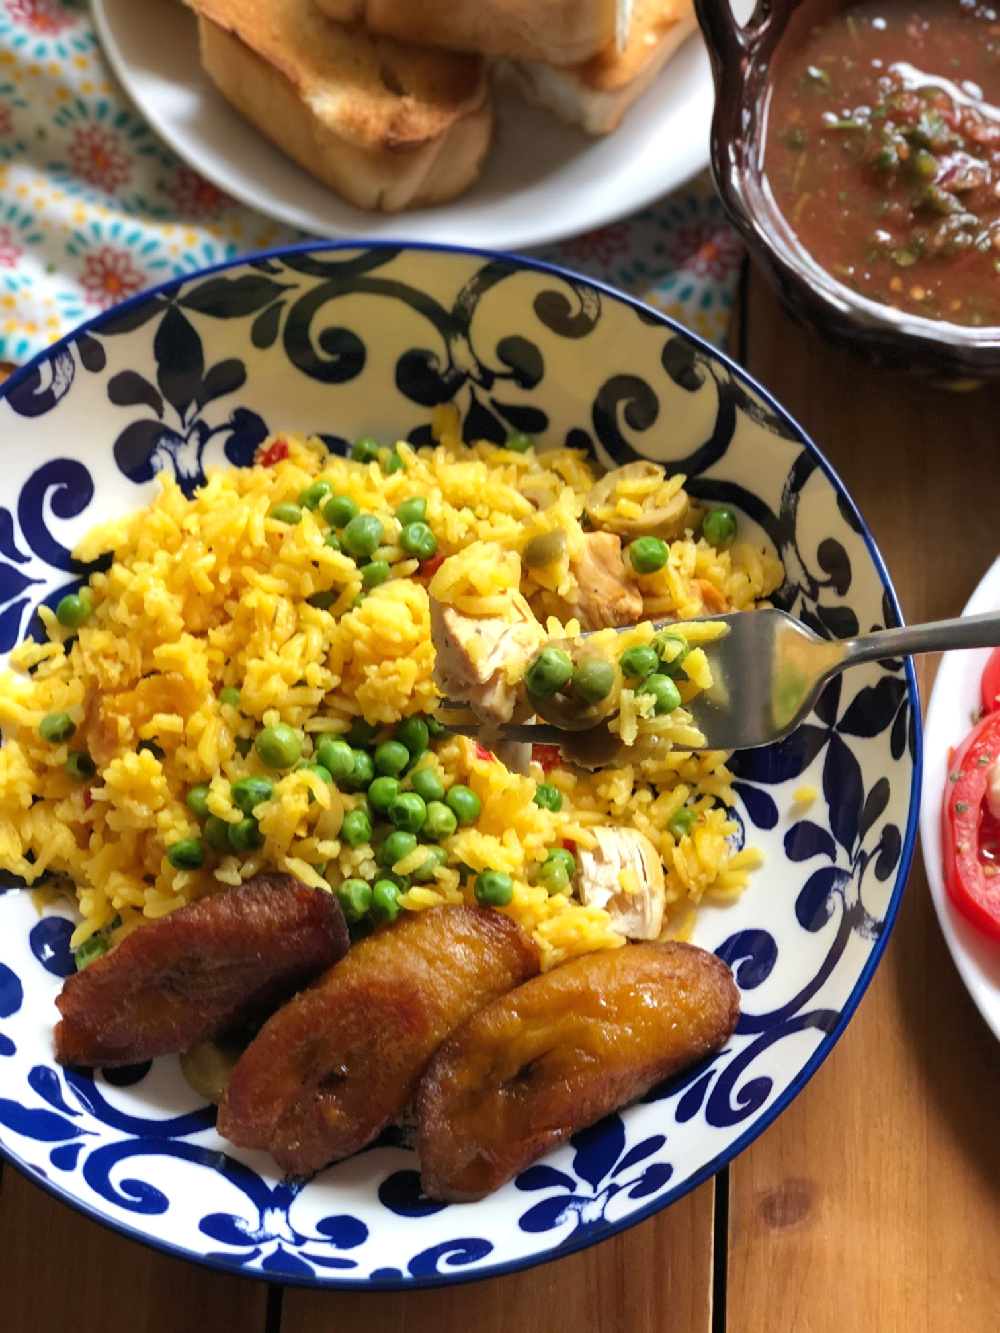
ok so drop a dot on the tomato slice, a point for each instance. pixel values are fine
(991, 683)
(974, 891)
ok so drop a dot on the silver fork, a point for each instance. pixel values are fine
(768, 670)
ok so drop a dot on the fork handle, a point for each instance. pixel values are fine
(939, 636)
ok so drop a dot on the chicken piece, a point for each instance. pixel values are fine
(624, 875)
(480, 661)
(560, 1052)
(329, 1071)
(607, 597)
(190, 976)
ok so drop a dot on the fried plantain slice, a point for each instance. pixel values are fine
(559, 1053)
(328, 1072)
(200, 971)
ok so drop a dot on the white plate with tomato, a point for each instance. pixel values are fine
(959, 831)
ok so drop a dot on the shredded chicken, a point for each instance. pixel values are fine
(607, 597)
(624, 875)
(480, 661)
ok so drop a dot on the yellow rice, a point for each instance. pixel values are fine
(211, 592)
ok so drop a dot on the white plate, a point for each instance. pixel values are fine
(542, 182)
(949, 720)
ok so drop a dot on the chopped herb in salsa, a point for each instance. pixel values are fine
(883, 154)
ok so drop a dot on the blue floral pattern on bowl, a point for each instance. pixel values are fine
(339, 341)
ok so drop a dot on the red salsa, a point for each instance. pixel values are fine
(882, 152)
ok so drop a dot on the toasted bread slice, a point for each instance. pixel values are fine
(558, 32)
(597, 93)
(386, 126)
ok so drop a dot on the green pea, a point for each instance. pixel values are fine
(313, 496)
(337, 758)
(73, 611)
(548, 797)
(230, 696)
(408, 812)
(718, 527)
(363, 770)
(322, 601)
(355, 898)
(365, 450)
(385, 902)
(427, 785)
(665, 693)
(278, 746)
(90, 950)
(361, 733)
(393, 463)
(435, 727)
(187, 854)
(564, 857)
(243, 746)
(519, 443)
(413, 733)
(375, 573)
(593, 679)
(355, 828)
(494, 888)
(246, 835)
(290, 514)
(648, 554)
(402, 882)
(197, 801)
(554, 877)
(361, 802)
(548, 673)
(339, 510)
(418, 540)
(333, 541)
(673, 649)
(397, 845)
(382, 793)
(639, 662)
(56, 728)
(465, 804)
(682, 822)
(413, 510)
(217, 834)
(79, 765)
(391, 757)
(362, 535)
(436, 858)
(440, 823)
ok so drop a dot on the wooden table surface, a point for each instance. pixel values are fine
(873, 1204)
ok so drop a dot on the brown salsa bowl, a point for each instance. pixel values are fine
(742, 65)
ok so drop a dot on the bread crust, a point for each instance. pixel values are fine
(597, 93)
(558, 32)
(385, 126)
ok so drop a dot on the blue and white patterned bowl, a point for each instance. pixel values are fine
(344, 341)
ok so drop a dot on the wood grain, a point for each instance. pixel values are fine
(874, 1202)
(656, 1278)
(58, 1270)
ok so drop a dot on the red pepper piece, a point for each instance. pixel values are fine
(274, 453)
(483, 754)
(991, 683)
(546, 755)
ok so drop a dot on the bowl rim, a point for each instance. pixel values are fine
(649, 314)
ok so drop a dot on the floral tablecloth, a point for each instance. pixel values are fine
(93, 207)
